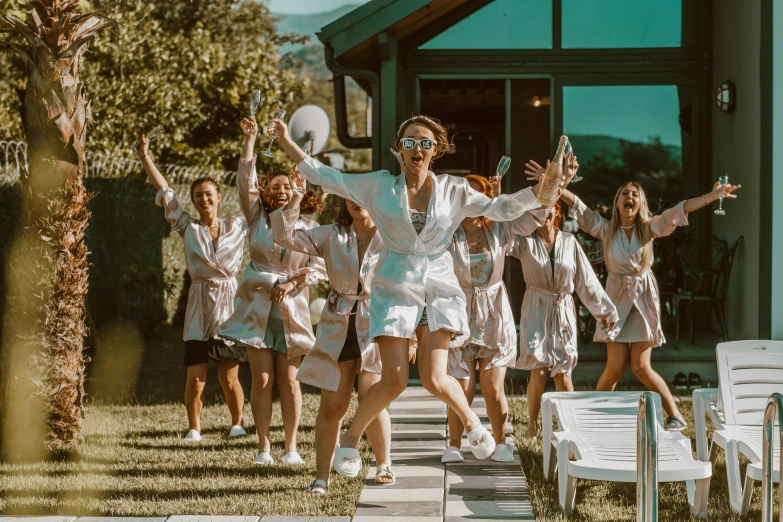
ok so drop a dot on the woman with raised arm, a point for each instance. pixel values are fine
(343, 349)
(213, 255)
(479, 249)
(628, 253)
(272, 315)
(415, 291)
(554, 267)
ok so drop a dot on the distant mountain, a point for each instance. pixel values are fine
(588, 146)
(308, 24)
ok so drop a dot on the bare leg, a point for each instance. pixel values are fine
(455, 425)
(334, 405)
(290, 397)
(433, 361)
(642, 369)
(492, 381)
(262, 369)
(394, 379)
(194, 387)
(616, 361)
(228, 375)
(379, 430)
(535, 389)
(563, 383)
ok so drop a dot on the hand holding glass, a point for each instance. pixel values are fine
(152, 135)
(570, 152)
(279, 115)
(723, 180)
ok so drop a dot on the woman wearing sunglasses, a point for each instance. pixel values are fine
(415, 291)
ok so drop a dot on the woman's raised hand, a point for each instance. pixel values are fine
(249, 127)
(727, 190)
(494, 182)
(298, 183)
(278, 129)
(573, 166)
(534, 171)
(142, 146)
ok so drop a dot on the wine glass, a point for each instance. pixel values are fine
(152, 135)
(279, 115)
(505, 163)
(255, 100)
(723, 180)
(569, 150)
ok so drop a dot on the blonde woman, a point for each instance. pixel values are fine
(271, 316)
(628, 253)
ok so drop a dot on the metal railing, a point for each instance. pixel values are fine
(646, 460)
(773, 414)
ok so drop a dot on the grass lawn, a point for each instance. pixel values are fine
(616, 501)
(134, 463)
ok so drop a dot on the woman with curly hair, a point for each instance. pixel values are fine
(271, 316)
(415, 291)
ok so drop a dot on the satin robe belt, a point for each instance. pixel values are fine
(435, 252)
(631, 284)
(562, 301)
(342, 304)
(482, 307)
(209, 308)
(279, 276)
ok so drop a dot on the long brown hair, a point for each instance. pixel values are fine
(344, 217)
(442, 145)
(641, 225)
(311, 204)
(485, 188)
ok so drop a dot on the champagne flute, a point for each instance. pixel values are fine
(505, 163)
(279, 115)
(570, 152)
(152, 135)
(255, 100)
(723, 180)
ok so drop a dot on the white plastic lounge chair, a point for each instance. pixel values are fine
(599, 428)
(749, 372)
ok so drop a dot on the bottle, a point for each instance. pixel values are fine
(553, 176)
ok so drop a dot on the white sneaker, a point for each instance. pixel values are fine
(482, 444)
(237, 431)
(264, 459)
(452, 454)
(193, 436)
(292, 458)
(503, 453)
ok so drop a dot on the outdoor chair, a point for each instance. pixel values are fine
(708, 284)
(600, 429)
(749, 372)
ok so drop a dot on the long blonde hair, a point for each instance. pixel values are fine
(641, 225)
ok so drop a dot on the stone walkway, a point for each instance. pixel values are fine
(429, 491)
(426, 490)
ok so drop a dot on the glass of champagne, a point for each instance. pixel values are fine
(255, 100)
(570, 152)
(723, 180)
(279, 115)
(505, 163)
(152, 135)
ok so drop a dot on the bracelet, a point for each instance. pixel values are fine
(705, 201)
(145, 156)
(299, 190)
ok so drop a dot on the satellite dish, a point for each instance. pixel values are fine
(310, 128)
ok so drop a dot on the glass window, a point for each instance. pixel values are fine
(625, 133)
(602, 24)
(502, 24)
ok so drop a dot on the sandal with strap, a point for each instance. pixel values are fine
(384, 476)
(318, 487)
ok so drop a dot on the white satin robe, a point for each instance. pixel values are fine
(416, 271)
(490, 318)
(547, 325)
(247, 325)
(212, 270)
(629, 282)
(338, 247)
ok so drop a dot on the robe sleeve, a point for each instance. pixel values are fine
(249, 195)
(518, 247)
(356, 187)
(588, 221)
(524, 225)
(505, 207)
(179, 219)
(588, 288)
(315, 271)
(664, 224)
(314, 241)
